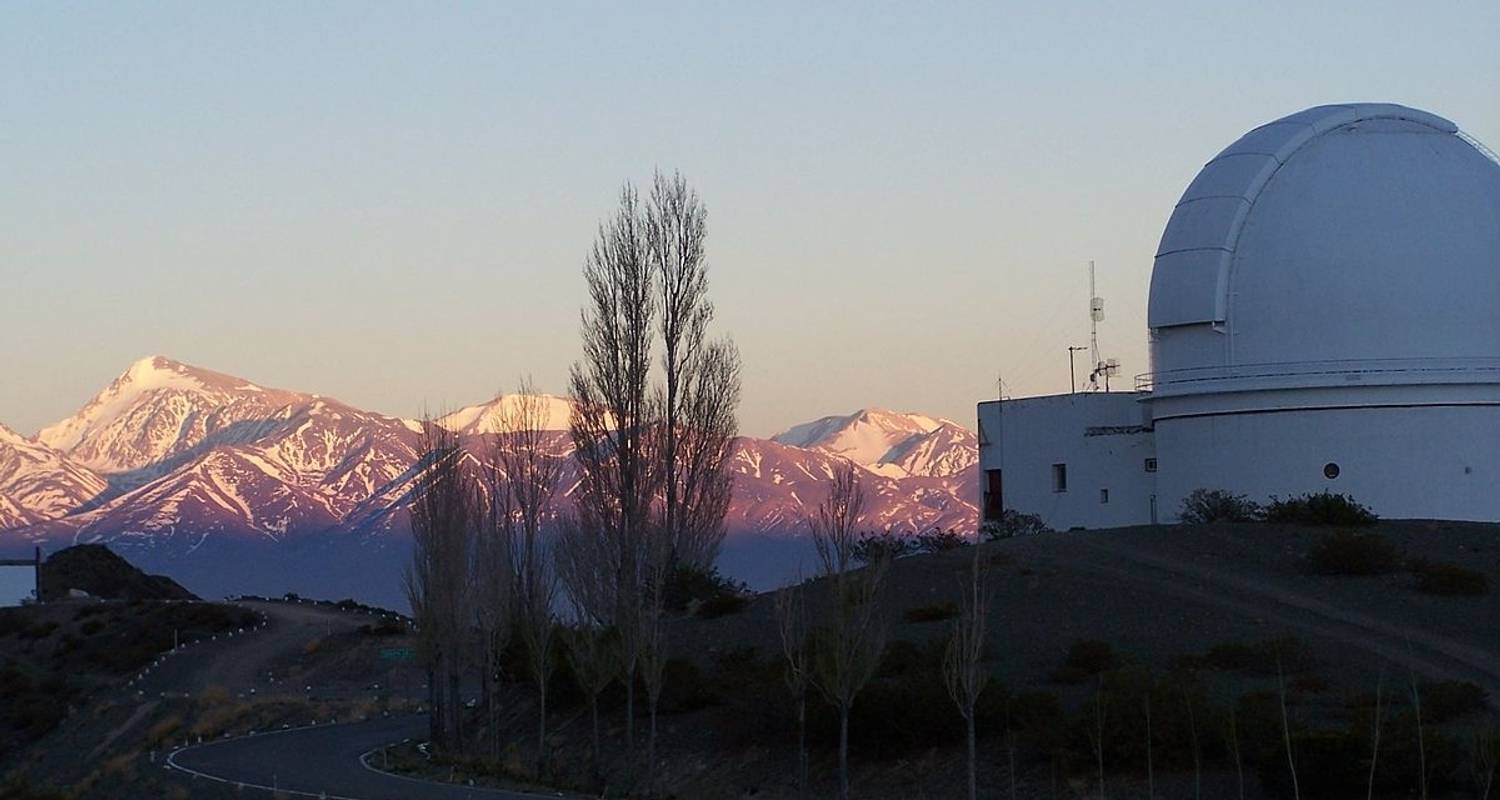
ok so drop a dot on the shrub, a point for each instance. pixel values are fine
(873, 547)
(1012, 524)
(1205, 506)
(687, 587)
(1448, 700)
(1086, 658)
(722, 606)
(1354, 553)
(940, 541)
(933, 613)
(1263, 656)
(1321, 508)
(1449, 579)
(385, 627)
(684, 688)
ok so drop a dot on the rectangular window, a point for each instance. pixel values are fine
(994, 496)
(1059, 477)
(1103, 496)
(1150, 465)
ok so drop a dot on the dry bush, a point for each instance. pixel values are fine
(164, 728)
(1320, 508)
(1207, 506)
(1354, 553)
(1449, 579)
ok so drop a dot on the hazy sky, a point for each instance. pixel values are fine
(389, 203)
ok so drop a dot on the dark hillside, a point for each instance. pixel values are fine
(94, 569)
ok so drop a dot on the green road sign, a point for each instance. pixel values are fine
(398, 654)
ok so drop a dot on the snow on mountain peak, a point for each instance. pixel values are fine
(887, 442)
(10, 437)
(486, 417)
(144, 414)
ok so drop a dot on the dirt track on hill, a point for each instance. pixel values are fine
(1409, 645)
(242, 662)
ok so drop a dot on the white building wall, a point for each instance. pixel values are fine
(1101, 437)
(1436, 462)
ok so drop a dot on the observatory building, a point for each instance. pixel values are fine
(1324, 315)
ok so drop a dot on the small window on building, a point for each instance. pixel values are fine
(994, 496)
(1150, 465)
(1059, 477)
(1103, 496)
(1330, 470)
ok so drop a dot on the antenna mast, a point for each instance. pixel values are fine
(1103, 368)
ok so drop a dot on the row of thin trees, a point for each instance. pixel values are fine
(497, 550)
(836, 646)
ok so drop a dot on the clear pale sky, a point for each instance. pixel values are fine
(390, 203)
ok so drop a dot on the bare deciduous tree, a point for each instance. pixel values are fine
(586, 572)
(437, 581)
(1234, 752)
(700, 379)
(791, 624)
(963, 663)
(1286, 729)
(613, 417)
(1485, 752)
(659, 566)
(1375, 725)
(529, 471)
(851, 638)
(494, 595)
(1416, 707)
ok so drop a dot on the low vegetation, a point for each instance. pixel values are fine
(1449, 579)
(1012, 524)
(1208, 506)
(1320, 508)
(1354, 553)
(1086, 659)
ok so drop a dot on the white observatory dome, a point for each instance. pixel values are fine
(1344, 244)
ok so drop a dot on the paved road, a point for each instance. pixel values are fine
(324, 761)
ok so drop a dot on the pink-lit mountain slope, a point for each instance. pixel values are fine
(179, 460)
(890, 443)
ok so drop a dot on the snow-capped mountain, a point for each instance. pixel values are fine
(486, 418)
(191, 467)
(889, 443)
(38, 483)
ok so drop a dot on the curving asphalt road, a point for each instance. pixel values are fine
(326, 761)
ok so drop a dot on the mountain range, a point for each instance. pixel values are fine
(224, 483)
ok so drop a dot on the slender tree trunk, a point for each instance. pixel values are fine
(651, 746)
(434, 707)
(1150, 768)
(1010, 754)
(630, 709)
(843, 752)
(973, 764)
(1286, 732)
(1375, 745)
(1416, 698)
(455, 705)
(541, 729)
(802, 745)
(594, 752)
(1234, 747)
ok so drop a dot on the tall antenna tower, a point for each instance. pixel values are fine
(1103, 368)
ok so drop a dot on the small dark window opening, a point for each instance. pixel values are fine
(1150, 465)
(1103, 496)
(1059, 477)
(1330, 470)
(994, 496)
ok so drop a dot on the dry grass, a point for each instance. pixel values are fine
(164, 728)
